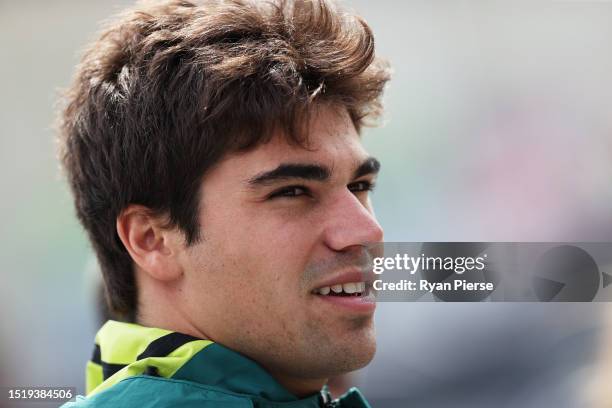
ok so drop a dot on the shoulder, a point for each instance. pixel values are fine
(156, 392)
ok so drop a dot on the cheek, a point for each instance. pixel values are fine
(276, 248)
(257, 268)
(253, 264)
(272, 261)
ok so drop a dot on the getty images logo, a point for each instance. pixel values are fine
(506, 272)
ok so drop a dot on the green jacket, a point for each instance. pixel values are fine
(137, 366)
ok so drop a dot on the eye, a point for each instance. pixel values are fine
(361, 186)
(291, 191)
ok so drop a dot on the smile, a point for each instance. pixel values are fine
(357, 289)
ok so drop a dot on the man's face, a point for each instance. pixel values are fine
(280, 224)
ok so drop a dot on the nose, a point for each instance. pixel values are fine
(351, 223)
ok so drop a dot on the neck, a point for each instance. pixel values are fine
(157, 308)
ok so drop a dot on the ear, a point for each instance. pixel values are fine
(153, 246)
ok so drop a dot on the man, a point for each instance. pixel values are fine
(214, 154)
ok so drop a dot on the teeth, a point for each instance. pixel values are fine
(348, 288)
(336, 288)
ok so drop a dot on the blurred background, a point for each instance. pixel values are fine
(498, 128)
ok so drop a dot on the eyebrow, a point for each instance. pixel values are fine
(307, 171)
(289, 171)
(370, 166)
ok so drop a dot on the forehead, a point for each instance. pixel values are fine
(332, 141)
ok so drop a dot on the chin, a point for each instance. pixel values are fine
(365, 351)
(357, 351)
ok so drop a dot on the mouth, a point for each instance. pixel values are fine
(353, 289)
(354, 297)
